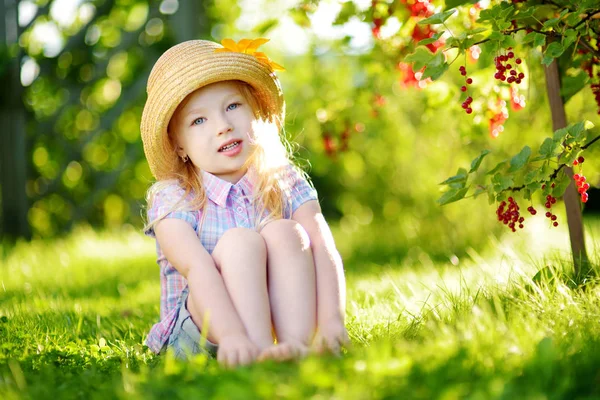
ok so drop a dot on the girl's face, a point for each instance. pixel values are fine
(215, 130)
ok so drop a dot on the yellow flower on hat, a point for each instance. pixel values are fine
(249, 46)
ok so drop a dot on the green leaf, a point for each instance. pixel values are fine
(496, 35)
(554, 50)
(436, 67)
(561, 184)
(497, 168)
(477, 161)
(573, 19)
(434, 72)
(569, 38)
(476, 31)
(431, 39)
(578, 130)
(547, 60)
(438, 18)
(571, 85)
(452, 195)
(554, 21)
(518, 161)
(421, 57)
(489, 14)
(525, 13)
(530, 177)
(539, 39)
(461, 176)
(502, 182)
(507, 13)
(559, 134)
(547, 148)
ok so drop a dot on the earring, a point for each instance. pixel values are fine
(185, 158)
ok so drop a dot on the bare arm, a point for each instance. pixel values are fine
(331, 285)
(183, 249)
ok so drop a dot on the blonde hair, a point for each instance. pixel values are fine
(271, 152)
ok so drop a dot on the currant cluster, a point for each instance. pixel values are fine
(549, 201)
(531, 210)
(510, 216)
(504, 68)
(580, 181)
(466, 105)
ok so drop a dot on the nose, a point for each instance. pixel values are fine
(224, 125)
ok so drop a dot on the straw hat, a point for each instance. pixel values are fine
(191, 65)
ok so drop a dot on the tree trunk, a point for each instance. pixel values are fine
(190, 21)
(571, 197)
(13, 154)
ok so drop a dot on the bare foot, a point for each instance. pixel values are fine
(283, 352)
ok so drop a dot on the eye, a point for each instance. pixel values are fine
(233, 106)
(199, 121)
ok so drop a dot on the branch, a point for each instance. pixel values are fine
(586, 18)
(590, 143)
(588, 46)
(554, 173)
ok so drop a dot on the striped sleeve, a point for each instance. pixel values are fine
(168, 203)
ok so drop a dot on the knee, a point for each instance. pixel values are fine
(243, 238)
(285, 233)
(238, 242)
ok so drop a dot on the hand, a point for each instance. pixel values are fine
(236, 349)
(330, 337)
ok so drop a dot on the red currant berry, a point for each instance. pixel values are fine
(553, 218)
(469, 81)
(576, 177)
(580, 159)
(469, 110)
(463, 88)
(548, 214)
(575, 162)
(518, 61)
(585, 186)
(521, 75)
(511, 54)
(584, 197)
(555, 223)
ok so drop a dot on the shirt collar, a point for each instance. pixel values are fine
(218, 189)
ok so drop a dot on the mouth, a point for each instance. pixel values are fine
(229, 146)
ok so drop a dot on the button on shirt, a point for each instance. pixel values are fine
(228, 206)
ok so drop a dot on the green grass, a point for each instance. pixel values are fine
(74, 313)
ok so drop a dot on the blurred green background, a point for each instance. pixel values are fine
(73, 76)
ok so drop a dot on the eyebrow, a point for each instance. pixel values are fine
(198, 110)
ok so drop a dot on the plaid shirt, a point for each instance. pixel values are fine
(228, 206)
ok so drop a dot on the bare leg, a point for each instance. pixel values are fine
(292, 288)
(240, 256)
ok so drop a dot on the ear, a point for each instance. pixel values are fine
(180, 151)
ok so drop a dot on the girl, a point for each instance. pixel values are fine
(245, 254)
